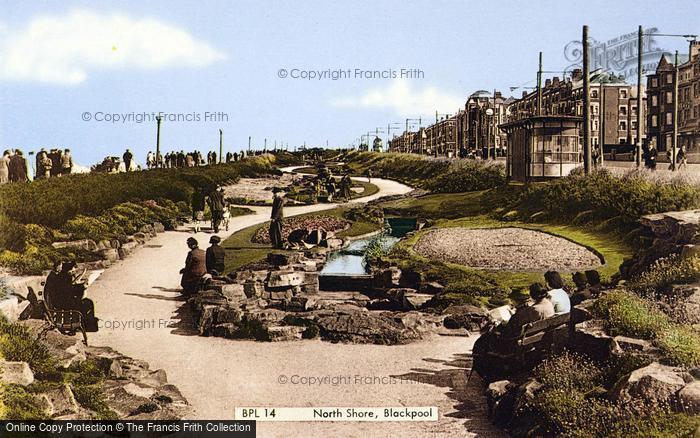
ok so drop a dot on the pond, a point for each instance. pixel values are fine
(350, 259)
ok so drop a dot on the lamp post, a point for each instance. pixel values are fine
(490, 112)
(158, 120)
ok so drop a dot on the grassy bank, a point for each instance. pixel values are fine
(101, 206)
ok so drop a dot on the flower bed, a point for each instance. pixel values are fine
(328, 223)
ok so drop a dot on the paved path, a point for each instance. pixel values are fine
(216, 375)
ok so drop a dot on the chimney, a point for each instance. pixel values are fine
(577, 74)
(694, 50)
(498, 95)
(555, 81)
(547, 83)
(524, 93)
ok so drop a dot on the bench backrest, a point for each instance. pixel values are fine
(535, 332)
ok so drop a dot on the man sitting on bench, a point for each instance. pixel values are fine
(64, 293)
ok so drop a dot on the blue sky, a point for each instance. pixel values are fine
(59, 60)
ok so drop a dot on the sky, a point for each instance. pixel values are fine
(90, 75)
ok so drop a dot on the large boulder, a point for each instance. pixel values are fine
(17, 373)
(591, 339)
(469, 317)
(653, 384)
(84, 244)
(12, 307)
(364, 327)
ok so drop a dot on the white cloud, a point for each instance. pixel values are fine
(66, 49)
(405, 100)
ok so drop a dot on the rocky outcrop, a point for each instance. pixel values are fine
(17, 373)
(664, 234)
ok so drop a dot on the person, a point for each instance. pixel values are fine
(369, 175)
(195, 268)
(593, 278)
(277, 217)
(650, 158)
(55, 156)
(128, 156)
(557, 295)
(18, 170)
(66, 162)
(65, 293)
(345, 184)
(40, 169)
(595, 156)
(5, 167)
(150, 160)
(540, 309)
(229, 157)
(582, 292)
(217, 204)
(198, 202)
(215, 256)
(682, 158)
(330, 188)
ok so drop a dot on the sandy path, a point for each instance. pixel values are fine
(216, 375)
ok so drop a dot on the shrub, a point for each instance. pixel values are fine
(630, 315)
(680, 345)
(17, 344)
(468, 177)
(659, 277)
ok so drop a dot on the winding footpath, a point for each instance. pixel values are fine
(139, 304)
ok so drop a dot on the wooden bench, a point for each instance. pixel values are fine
(67, 322)
(536, 340)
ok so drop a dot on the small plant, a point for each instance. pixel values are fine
(659, 277)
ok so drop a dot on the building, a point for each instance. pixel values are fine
(478, 124)
(542, 147)
(661, 86)
(614, 107)
(441, 137)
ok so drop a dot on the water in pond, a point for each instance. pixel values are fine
(350, 259)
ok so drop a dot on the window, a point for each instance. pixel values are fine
(623, 125)
(669, 97)
(669, 118)
(623, 110)
(654, 82)
(623, 140)
(669, 78)
(633, 125)
(594, 109)
(594, 94)
(654, 121)
(654, 100)
(623, 94)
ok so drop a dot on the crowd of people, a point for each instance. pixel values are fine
(14, 166)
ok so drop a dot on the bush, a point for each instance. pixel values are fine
(659, 277)
(680, 345)
(469, 176)
(17, 344)
(630, 315)
(602, 195)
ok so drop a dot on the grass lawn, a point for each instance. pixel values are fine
(241, 250)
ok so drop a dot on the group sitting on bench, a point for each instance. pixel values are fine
(518, 335)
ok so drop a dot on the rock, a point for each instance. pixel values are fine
(285, 333)
(17, 373)
(432, 288)
(410, 279)
(127, 403)
(253, 289)
(76, 359)
(12, 307)
(654, 383)
(285, 295)
(115, 370)
(387, 278)
(283, 258)
(226, 330)
(364, 327)
(468, 317)
(62, 401)
(278, 279)
(140, 238)
(689, 398)
(158, 227)
(155, 378)
(84, 244)
(396, 294)
(383, 304)
(139, 390)
(169, 394)
(110, 254)
(590, 338)
(624, 345)
(234, 292)
(414, 301)
(300, 304)
(266, 316)
(205, 318)
(331, 243)
(228, 315)
(581, 312)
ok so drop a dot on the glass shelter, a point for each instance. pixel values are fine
(542, 147)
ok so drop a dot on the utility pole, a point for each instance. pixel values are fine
(539, 88)
(586, 105)
(640, 101)
(265, 145)
(495, 125)
(249, 143)
(221, 145)
(158, 120)
(675, 113)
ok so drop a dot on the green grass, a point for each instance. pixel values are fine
(241, 251)
(477, 210)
